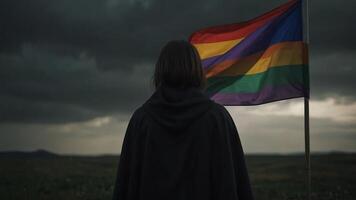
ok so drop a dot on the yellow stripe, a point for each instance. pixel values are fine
(207, 50)
(281, 54)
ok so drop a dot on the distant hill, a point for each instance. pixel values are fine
(40, 153)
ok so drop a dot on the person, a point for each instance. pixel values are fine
(180, 145)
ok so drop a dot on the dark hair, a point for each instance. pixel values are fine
(179, 66)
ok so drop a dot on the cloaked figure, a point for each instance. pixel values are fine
(180, 145)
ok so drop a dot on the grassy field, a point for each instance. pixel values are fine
(73, 177)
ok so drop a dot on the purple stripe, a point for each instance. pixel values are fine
(267, 35)
(266, 95)
(238, 50)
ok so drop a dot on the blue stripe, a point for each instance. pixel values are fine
(287, 27)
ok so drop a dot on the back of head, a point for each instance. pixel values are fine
(179, 66)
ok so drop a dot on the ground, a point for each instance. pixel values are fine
(274, 177)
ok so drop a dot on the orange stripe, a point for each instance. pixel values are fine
(207, 50)
(285, 53)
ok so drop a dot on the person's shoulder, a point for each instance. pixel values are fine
(219, 116)
(139, 112)
(218, 110)
(137, 115)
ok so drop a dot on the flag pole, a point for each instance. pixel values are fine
(306, 108)
(307, 145)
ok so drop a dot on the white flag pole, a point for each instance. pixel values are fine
(306, 107)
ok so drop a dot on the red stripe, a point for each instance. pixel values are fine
(237, 30)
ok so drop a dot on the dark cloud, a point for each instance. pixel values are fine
(64, 61)
(333, 74)
(331, 28)
(40, 86)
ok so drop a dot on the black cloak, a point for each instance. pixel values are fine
(180, 145)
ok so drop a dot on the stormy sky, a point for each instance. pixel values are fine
(72, 72)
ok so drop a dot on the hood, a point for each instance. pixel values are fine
(175, 109)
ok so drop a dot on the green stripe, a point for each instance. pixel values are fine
(275, 76)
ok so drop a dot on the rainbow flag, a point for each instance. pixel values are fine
(256, 61)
